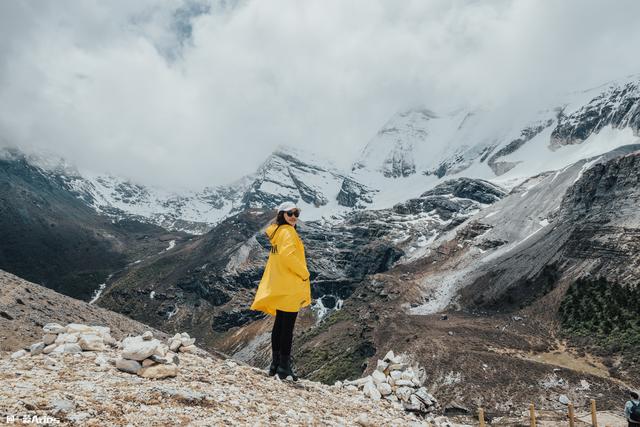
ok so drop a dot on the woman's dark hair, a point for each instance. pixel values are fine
(634, 395)
(279, 219)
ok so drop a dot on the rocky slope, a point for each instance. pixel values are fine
(85, 388)
(51, 237)
(26, 307)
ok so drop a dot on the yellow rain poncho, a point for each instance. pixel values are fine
(285, 282)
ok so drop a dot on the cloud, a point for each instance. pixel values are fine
(193, 93)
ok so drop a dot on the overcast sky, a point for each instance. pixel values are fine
(195, 92)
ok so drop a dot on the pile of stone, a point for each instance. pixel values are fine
(397, 381)
(147, 357)
(73, 338)
(182, 343)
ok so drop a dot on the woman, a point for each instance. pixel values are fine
(284, 288)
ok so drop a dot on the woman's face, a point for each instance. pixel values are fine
(290, 217)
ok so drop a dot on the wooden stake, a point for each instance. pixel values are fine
(481, 417)
(571, 419)
(594, 418)
(532, 415)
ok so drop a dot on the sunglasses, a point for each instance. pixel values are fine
(292, 213)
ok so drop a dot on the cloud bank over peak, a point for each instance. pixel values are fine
(194, 92)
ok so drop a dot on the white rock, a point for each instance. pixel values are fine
(127, 365)
(338, 384)
(109, 340)
(563, 399)
(72, 348)
(375, 394)
(351, 388)
(175, 344)
(188, 349)
(408, 374)
(54, 328)
(66, 338)
(425, 397)
(185, 335)
(391, 381)
(103, 331)
(188, 341)
(378, 377)
(48, 349)
(135, 348)
(367, 388)
(49, 338)
(389, 356)
(78, 327)
(18, 354)
(90, 342)
(360, 382)
(161, 350)
(396, 375)
(176, 337)
(382, 365)
(36, 348)
(100, 360)
(159, 371)
(148, 335)
(404, 393)
(392, 397)
(384, 389)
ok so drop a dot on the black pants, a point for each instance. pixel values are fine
(282, 333)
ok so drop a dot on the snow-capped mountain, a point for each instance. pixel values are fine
(418, 148)
(413, 152)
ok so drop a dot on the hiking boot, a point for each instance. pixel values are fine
(285, 368)
(274, 364)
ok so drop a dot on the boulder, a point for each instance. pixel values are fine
(66, 338)
(384, 389)
(148, 362)
(188, 341)
(90, 342)
(135, 348)
(78, 328)
(563, 399)
(18, 354)
(54, 328)
(169, 358)
(403, 383)
(72, 348)
(396, 375)
(48, 349)
(159, 371)
(382, 365)
(103, 331)
(148, 335)
(174, 345)
(367, 388)
(404, 393)
(389, 357)
(130, 366)
(378, 377)
(36, 348)
(188, 349)
(49, 338)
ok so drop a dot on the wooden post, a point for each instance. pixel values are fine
(571, 416)
(594, 418)
(481, 417)
(532, 415)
